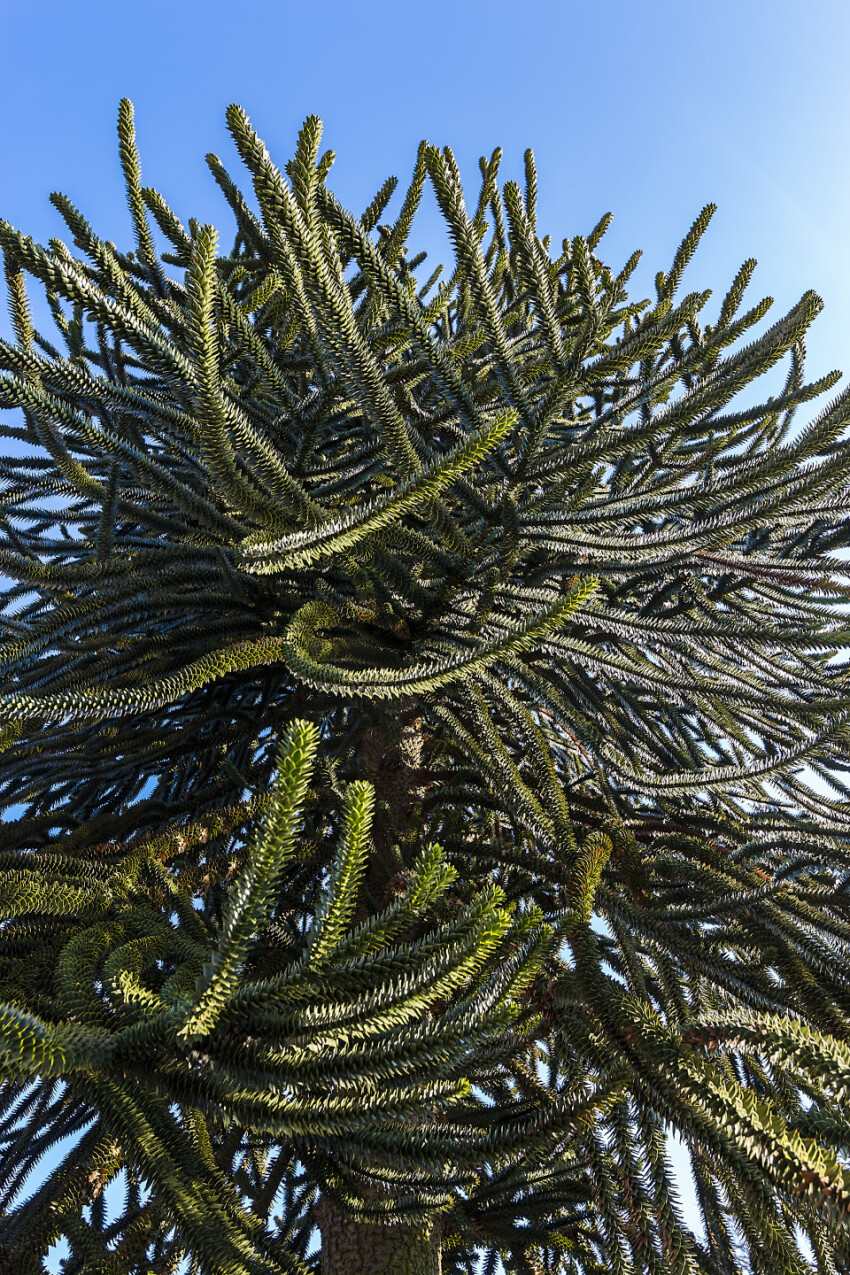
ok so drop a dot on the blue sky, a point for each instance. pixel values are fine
(648, 108)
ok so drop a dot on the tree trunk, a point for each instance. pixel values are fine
(360, 1248)
(363, 1248)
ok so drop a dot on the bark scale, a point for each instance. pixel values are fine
(360, 1248)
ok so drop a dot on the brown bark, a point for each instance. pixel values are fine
(361, 1248)
(395, 767)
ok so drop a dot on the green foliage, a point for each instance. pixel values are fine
(406, 689)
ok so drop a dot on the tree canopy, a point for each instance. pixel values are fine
(412, 691)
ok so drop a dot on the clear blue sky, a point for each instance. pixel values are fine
(649, 108)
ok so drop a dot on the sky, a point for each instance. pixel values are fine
(647, 108)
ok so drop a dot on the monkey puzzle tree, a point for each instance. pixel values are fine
(406, 689)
